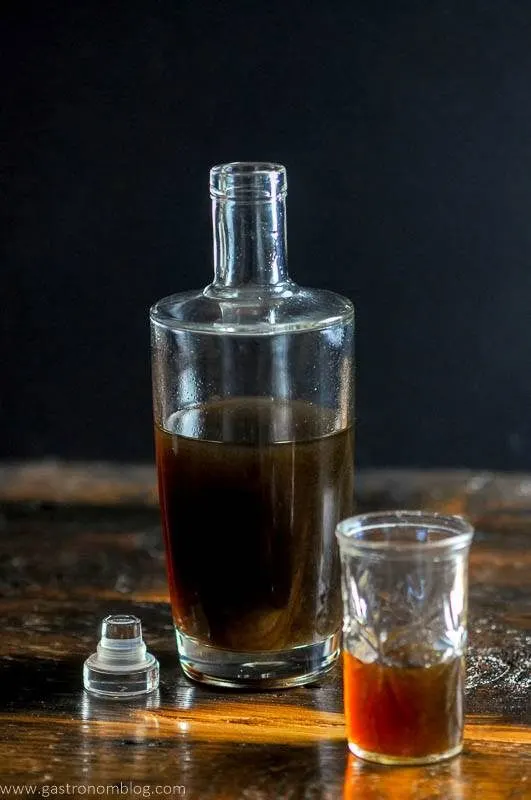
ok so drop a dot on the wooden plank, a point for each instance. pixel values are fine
(70, 555)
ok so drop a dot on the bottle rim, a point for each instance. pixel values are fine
(248, 180)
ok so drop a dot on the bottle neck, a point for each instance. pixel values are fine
(249, 225)
(249, 242)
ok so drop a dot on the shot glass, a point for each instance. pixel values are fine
(404, 577)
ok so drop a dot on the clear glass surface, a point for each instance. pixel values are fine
(404, 578)
(121, 665)
(252, 398)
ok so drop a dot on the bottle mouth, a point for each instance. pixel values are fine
(248, 181)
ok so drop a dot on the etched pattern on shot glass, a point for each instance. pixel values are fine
(404, 587)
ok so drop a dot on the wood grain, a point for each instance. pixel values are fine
(80, 541)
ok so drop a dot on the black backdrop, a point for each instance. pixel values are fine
(406, 131)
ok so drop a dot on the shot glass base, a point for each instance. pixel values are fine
(404, 761)
(259, 669)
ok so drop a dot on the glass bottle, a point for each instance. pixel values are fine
(252, 395)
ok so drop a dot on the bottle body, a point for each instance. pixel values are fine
(252, 390)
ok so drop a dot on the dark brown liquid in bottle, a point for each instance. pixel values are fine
(249, 512)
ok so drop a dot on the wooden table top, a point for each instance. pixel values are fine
(79, 542)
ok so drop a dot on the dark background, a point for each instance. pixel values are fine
(406, 131)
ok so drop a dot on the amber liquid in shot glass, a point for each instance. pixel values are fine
(404, 711)
(404, 584)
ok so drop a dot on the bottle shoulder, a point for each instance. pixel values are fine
(253, 310)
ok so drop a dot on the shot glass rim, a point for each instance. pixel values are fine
(459, 531)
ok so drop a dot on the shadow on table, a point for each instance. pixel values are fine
(46, 684)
